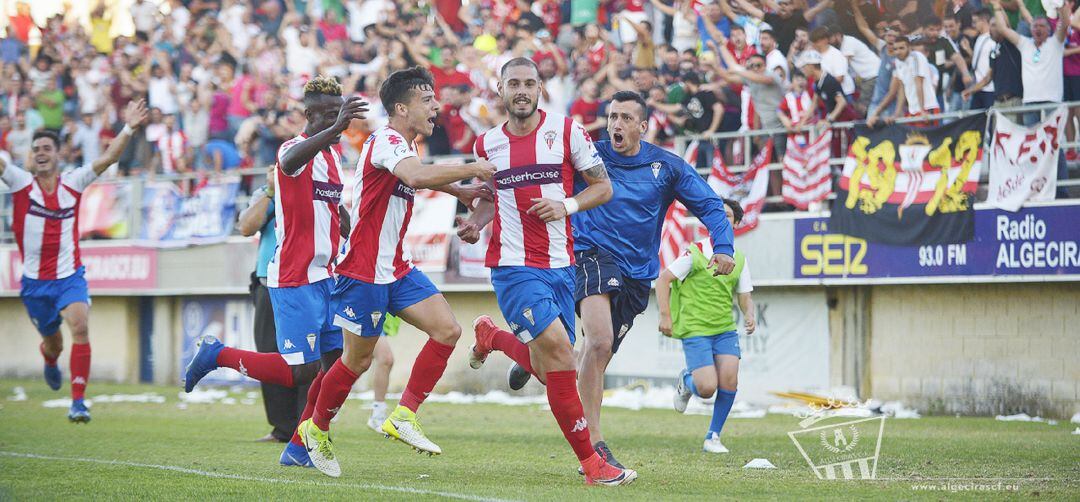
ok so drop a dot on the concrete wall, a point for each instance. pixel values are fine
(987, 349)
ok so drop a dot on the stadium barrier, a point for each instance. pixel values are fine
(891, 322)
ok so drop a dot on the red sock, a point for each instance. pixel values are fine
(335, 389)
(566, 406)
(426, 372)
(513, 348)
(51, 361)
(80, 369)
(309, 407)
(266, 367)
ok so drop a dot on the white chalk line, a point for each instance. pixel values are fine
(240, 477)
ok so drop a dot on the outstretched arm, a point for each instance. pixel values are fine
(703, 202)
(1003, 23)
(417, 175)
(135, 116)
(300, 154)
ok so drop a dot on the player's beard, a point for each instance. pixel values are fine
(521, 115)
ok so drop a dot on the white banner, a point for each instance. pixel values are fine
(788, 352)
(1024, 160)
(432, 225)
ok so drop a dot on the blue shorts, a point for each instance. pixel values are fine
(44, 299)
(302, 319)
(597, 274)
(699, 350)
(532, 298)
(361, 307)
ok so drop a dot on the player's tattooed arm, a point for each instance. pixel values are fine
(598, 192)
(598, 172)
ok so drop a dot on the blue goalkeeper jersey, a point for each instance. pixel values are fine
(644, 187)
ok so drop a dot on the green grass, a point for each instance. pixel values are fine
(494, 452)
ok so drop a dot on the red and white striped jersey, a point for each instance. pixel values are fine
(539, 164)
(306, 219)
(171, 146)
(382, 206)
(796, 106)
(46, 225)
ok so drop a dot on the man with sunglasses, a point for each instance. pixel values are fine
(1040, 57)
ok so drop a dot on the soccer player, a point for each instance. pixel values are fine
(538, 156)
(45, 219)
(376, 277)
(308, 185)
(695, 307)
(617, 245)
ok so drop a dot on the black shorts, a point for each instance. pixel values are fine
(597, 274)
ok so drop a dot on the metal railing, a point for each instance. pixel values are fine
(747, 140)
(751, 138)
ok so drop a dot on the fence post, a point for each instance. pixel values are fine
(135, 208)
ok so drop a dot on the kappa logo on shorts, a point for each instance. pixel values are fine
(349, 312)
(656, 169)
(528, 315)
(311, 339)
(375, 316)
(289, 345)
(613, 282)
(514, 326)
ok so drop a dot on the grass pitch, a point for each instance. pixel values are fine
(206, 451)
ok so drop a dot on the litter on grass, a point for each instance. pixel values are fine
(17, 394)
(144, 398)
(759, 463)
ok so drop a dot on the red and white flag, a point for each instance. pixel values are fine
(748, 189)
(806, 171)
(675, 234)
(1023, 161)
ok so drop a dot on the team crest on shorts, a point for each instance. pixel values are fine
(549, 138)
(311, 339)
(375, 316)
(623, 330)
(656, 169)
(528, 315)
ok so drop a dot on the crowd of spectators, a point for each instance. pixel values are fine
(223, 77)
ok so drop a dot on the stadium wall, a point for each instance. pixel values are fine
(947, 344)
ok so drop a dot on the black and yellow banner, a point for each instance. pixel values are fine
(910, 185)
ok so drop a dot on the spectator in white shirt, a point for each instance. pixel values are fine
(864, 64)
(912, 85)
(145, 16)
(1041, 57)
(981, 93)
(833, 61)
(775, 61)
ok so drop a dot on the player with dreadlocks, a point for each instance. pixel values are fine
(300, 277)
